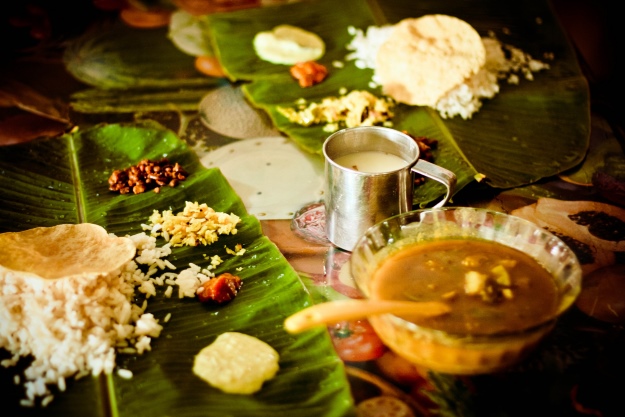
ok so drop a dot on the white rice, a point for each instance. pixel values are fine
(365, 44)
(75, 326)
(466, 99)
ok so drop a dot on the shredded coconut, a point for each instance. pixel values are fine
(356, 108)
(197, 224)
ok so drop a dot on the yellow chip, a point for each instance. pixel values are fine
(426, 57)
(65, 250)
(288, 45)
(236, 363)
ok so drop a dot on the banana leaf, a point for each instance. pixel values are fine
(530, 131)
(98, 101)
(113, 55)
(64, 180)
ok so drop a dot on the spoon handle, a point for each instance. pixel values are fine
(335, 311)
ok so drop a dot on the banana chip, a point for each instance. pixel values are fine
(236, 363)
(288, 45)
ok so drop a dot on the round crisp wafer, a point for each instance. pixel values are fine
(425, 57)
(62, 251)
(288, 45)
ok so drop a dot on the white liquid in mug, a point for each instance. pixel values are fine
(371, 161)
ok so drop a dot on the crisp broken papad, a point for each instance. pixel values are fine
(63, 251)
(595, 231)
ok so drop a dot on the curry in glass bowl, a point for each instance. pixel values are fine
(506, 281)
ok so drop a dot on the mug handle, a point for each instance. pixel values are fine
(437, 173)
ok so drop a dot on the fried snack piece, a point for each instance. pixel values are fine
(236, 363)
(65, 250)
(288, 45)
(425, 57)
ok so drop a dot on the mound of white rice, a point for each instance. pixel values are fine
(75, 327)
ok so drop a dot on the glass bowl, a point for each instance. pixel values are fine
(457, 351)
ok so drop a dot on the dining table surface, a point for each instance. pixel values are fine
(578, 370)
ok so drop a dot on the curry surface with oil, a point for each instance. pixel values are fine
(437, 270)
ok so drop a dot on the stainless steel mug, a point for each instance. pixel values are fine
(369, 177)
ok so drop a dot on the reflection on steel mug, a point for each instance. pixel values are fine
(369, 177)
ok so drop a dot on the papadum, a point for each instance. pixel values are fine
(63, 251)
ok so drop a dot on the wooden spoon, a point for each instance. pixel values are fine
(335, 311)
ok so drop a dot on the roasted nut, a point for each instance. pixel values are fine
(146, 175)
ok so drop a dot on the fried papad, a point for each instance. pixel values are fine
(63, 251)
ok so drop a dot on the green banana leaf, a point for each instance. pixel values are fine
(64, 180)
(97, 101)
(529, 131)
(113, 55)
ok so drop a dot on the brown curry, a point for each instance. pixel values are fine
(491, 288)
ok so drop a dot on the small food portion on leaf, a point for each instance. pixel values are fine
(209, 65)
(187, 33)
(147, 175)
(288, 45)
(308, 73)
(197, 224)
(356, 108)
(237, 363)
(220, 289)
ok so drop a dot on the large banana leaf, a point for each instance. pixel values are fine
(114, 56)
(64, 180)
(527, 132)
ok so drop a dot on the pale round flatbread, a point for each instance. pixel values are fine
(236, 363)
(63, 251)
(288, 45)
(426, 57)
